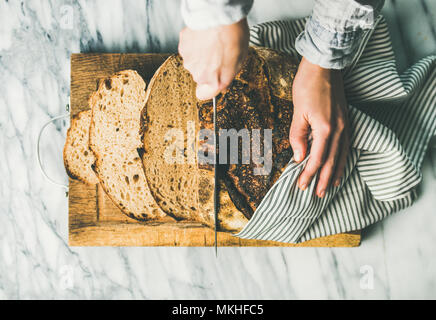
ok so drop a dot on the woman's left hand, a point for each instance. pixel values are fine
(320, 110)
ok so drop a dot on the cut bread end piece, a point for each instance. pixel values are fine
(78, 158)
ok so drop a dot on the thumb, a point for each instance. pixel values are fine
(206, 91)
(298, 136)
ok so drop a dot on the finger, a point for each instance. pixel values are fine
(342, 160)
(328, 168)
(226, 77)
(206, 91)
(321, 137)
(345, 147)
(207, 84)
(230, 69)
(205, 76)
(298, 136)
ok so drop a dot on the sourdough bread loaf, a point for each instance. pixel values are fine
(114, 139)
(258, 98)
(78, 158)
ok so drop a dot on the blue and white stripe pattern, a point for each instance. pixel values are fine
(392, 119)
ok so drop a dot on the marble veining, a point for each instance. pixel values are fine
(36, 40)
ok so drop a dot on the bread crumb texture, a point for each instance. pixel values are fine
(114, 139)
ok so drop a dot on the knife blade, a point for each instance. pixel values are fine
(215, 167)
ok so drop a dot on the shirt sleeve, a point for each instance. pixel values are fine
(205, 14)
(334, 29)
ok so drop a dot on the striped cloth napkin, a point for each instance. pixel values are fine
(392, 119)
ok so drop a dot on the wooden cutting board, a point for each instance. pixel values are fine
(95, 221)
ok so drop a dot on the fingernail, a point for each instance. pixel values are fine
(321, 194)
(303, 186)
(337, 182)
(297, 156)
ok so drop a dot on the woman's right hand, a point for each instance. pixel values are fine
(214, 56)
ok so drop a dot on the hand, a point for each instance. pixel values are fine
(320, 110)
(214, 56)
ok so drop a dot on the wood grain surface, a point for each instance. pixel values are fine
(95, 221)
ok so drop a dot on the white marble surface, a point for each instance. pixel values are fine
(36, 40)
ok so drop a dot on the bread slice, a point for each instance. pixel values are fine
(182, 189)
(114, 139)
(78, 158)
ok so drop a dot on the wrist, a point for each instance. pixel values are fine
(316, 69)
(237, 30)
(314, 72)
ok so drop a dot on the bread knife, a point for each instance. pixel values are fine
(215, 167)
